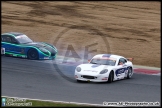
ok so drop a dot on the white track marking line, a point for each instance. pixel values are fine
(159, 74)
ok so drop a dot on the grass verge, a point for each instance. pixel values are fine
(10, 101)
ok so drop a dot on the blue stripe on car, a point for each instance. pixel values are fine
(119, 71)
(106, 55)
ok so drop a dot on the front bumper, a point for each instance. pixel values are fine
(91, 78)
(49, 58)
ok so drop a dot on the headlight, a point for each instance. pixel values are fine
(78, 69)
(104, 71)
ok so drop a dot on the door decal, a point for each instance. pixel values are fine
(120, 71)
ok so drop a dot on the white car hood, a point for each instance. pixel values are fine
(92, 69)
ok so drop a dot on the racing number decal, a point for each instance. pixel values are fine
(2, 50)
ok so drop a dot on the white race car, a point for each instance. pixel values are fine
(105, 68)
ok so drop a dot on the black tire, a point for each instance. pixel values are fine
(111, 77)
(129, 75)
(33, 54)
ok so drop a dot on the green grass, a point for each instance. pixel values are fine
(36, 103)
(55, 104)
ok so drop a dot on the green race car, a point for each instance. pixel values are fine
(19, 45)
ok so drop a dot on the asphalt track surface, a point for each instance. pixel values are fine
(41, 80)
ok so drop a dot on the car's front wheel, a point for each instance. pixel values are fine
(111, 77)
(33, 54)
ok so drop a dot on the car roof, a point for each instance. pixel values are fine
(108, 55)
(13, 33)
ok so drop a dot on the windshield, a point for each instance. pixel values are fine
(101, 61)
(23, 39)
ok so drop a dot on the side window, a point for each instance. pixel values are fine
(13, 40)
(125, 60)
(2, 38)
(122, 60)
(9, 39)
(6, 39)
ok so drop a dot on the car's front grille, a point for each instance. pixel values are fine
(88, 77)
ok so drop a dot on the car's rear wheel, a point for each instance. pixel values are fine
(33, 54)
(111, 77)
(129, 75)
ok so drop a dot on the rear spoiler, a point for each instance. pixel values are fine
(130, 59)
